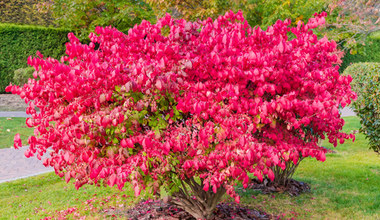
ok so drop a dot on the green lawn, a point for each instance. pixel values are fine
(40, 196)
(9, 127)
(345, 186)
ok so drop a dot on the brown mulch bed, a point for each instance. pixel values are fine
(329, 151)
(293, 188)
(159, 210)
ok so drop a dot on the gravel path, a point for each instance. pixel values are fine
(347, 111)
(14, 165)
(14, 114)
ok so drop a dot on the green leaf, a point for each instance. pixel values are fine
(117, 88)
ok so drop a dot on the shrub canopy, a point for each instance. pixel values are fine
(203, 103)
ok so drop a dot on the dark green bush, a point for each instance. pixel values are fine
(370, 52)
(18, 42)
(366, 83)
(22, 75)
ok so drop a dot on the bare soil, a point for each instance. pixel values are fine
(10, 102)
(159, 210)
(293, 188)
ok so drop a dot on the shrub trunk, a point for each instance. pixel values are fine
(193, 199)
(282, 177)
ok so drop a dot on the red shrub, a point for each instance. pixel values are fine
(204, 105)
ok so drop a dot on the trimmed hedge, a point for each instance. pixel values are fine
(370, 53)
(366, 83)
(18, 42)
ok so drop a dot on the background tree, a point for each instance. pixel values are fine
(352, 21)
(349, 21)
(194, 9)
(267, 12)
(256, 12)
(82, 16)
(24, 12)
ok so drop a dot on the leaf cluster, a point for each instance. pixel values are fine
(22, 75)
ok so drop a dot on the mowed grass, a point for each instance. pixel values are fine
(47, 194)
(11, 126)
(345, 186)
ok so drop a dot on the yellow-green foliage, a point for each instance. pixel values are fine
(82, 16)
(194, 9)
(256, 12)
(22, 75)
(267, 12)
(23, 12)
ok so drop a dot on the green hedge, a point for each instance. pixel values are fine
(366, 83)
(370, 53)
(18, 42)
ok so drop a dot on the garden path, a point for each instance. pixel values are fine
(14, 114)
(14, 165)
(347, 112)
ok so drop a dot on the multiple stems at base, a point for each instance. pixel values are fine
(282, 177)
(193, 199)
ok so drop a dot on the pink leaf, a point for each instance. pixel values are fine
(17, 141)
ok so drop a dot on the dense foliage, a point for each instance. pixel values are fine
(24, 12)
(22, 75)
(18, 42)
(368, 53)
(179, 103)
(82, 16)
(194, 9)
(257, 12)
(366, 83)
(267, 12)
